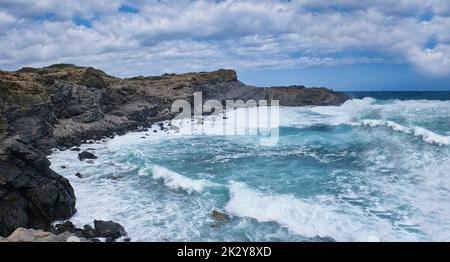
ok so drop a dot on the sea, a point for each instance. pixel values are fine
(376, 168)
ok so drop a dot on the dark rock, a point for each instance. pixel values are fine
(79, 175)
(89, 232)
(110, 239)
(109, 229)
(33, 195)
(127, 239)
(63, 167)
(86, 155)
(66, 226)
(75, 149)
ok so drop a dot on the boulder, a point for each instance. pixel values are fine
(109, 229)
(86, 155)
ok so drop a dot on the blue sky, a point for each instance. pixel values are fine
(346, 45)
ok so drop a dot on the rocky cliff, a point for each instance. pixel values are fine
(63, 105)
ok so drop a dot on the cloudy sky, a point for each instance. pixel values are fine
(346, 45)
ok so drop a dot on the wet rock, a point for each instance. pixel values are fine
(109, 229)
(63, 167)
(79, 175)
(86, 155)
(89, 232)
(75, 149)
(66, 226)
(127, 239)
(220, 217)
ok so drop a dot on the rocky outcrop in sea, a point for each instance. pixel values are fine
(63, 105)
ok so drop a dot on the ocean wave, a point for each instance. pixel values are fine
(176, 181)
(308, 218)
(425, 134)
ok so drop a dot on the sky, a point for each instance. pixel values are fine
(341, 44)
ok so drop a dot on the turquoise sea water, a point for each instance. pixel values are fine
(368, 170)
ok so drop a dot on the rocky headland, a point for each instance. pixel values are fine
(63, 105)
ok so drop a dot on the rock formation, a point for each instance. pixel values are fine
(63, 105)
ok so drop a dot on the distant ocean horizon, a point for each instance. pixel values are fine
(401, 95)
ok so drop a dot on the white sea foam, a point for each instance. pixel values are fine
(309, 218)
(177, 181)
(426, 135)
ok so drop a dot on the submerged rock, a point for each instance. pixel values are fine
(220, 217)
(321, 239)
(109, 229)
(86, 155)
(79, 175)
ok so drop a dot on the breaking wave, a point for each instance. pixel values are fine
(426, 135)
(308, 218)
(177, 181)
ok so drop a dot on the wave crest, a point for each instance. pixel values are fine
(425, 134)
(308, 218)
(177, 181)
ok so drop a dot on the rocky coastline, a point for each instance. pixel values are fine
(63, 105)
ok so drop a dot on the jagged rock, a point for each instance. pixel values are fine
(31, 194)
(79, 175)
(86, 155)
(109, 229)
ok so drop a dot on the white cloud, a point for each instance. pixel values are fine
(178, 35)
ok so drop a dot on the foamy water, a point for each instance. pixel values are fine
(368, 170)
